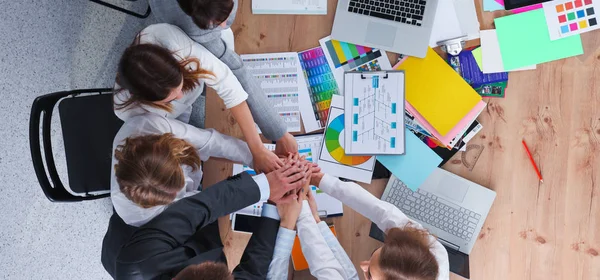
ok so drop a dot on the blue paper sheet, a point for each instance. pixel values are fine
(491, 5)
(415, 165)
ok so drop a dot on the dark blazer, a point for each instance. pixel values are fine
(187, 233)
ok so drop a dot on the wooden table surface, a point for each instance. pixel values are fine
(533, 231)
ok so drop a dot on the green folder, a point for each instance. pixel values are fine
(525, 40)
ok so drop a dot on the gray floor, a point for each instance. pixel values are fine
(47, 46)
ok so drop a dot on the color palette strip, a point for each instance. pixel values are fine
(570, 17)
(334, 147)
(321, 81)
(350, 56)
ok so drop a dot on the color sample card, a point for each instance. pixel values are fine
(343, 57)
(570, 17)
(524, 40)
(321, 85)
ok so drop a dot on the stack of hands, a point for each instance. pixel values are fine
(290, 185)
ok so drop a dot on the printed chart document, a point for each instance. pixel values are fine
(290, 7)
(282, 80)
(333, 160)
(374, 106)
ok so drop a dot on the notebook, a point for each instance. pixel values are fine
(434, 89)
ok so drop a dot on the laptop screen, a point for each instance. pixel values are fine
(459, 262)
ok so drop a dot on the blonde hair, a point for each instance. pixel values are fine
(149, 169)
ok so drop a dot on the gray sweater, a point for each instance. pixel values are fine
(270, 123)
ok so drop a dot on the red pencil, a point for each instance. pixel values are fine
(533, 162)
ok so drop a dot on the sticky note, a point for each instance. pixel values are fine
(415, 165)
(478, 56)
(434, 89)
(560, 8)
(568, 5)
(580, 13)
(583, 24)
(525, 40)
(564, 29)
(573, 26)
(571, 16)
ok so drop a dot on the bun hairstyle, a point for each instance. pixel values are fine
(406, 255)
(149, 169)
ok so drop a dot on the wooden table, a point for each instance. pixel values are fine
(534, 231)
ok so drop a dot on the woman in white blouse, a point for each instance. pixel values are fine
(164, 72)
(408, 252)
(147, 139)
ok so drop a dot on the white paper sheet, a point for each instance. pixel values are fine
(290, 7)
(333, 159)
(490, 54)
(454, 19)
(282, 80)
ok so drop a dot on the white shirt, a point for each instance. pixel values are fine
(209, 143)
(383, 214)
(326, 258)
(174, 39)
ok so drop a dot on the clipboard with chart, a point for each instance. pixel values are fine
(374, 106)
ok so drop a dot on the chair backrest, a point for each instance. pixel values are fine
(89, 126)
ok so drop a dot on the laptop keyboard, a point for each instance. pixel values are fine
(433, 210)
(405, 11)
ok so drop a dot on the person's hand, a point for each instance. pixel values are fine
(286, 145)
(312, 202)
(265, 161)
(290, 211)
(291, 177)
(316, 174)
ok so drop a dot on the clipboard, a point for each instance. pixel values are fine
(374, 113)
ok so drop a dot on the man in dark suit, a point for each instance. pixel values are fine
(185, 237)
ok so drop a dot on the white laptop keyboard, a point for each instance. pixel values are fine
(429, 208)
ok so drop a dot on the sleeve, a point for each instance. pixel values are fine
(321, 260)
(278, 269)
(166, 233)
(259, 251)
(223, 82)
(383, 214)
(211, 143)
(338, 251)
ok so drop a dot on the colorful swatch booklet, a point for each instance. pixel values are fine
(570, 17)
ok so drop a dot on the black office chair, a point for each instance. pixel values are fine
(89, 126)
(129, 12)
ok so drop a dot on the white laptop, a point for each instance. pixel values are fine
(400, 26)
(450, 207)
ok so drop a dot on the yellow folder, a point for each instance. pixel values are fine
(434, 89)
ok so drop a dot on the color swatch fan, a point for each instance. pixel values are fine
(567, 17)
(333, 159)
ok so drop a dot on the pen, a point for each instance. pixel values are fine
(533, 162)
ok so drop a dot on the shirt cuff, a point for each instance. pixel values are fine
(263, 185)
(270, 211)
(327, 182)
(284, 243)
(305, 212)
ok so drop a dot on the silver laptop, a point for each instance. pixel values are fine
(400, 26)
(450, 207)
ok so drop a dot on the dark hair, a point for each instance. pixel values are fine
(149, 169)
(406, 255)
(149, 72)
(205, 271)
(207, 13)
